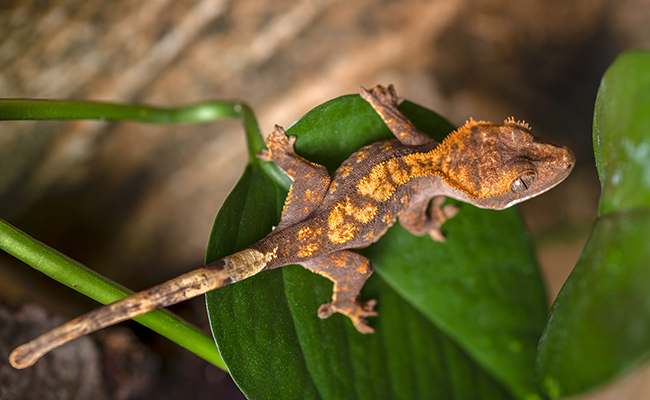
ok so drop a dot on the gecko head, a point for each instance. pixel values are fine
(497, 166)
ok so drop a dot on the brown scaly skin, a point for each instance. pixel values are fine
(481, 163)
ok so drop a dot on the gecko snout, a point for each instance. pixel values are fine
(568, 160)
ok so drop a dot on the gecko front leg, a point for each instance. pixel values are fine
(385, 102)
(427, 215)
(310, 180)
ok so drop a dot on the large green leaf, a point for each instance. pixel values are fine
(458, 320)
(599, 326)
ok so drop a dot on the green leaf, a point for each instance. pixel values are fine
(456, 320)
(599, 326)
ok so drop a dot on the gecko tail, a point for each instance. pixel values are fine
(184, 287)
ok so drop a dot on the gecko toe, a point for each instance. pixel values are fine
(369, 308)
(362, 326)
(450, 210)
(325, 311)
(264, 155)
(357, 312)
(437, 235)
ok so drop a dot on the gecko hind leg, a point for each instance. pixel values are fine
(349, 272)
(385, 102)
(310, 180)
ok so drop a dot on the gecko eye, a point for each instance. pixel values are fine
(522, 183)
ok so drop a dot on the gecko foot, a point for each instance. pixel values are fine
(356, 311)
(385, 102)
(278, 143)
(381, 95)
(439, 215)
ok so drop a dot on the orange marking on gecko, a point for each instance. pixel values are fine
(360, 156)
(398, 175)
(307, 250)
(333, 187)
(340, 261)
(305, 233)
(375, 184)
(341, 228)
(312, 196)
(345, 170)
(388, 218)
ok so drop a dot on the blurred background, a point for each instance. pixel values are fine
(136, 202)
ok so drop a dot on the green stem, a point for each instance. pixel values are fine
(85, 281)
(36, 109)
(29, 109)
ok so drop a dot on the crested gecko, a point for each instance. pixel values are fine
(481, 163)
